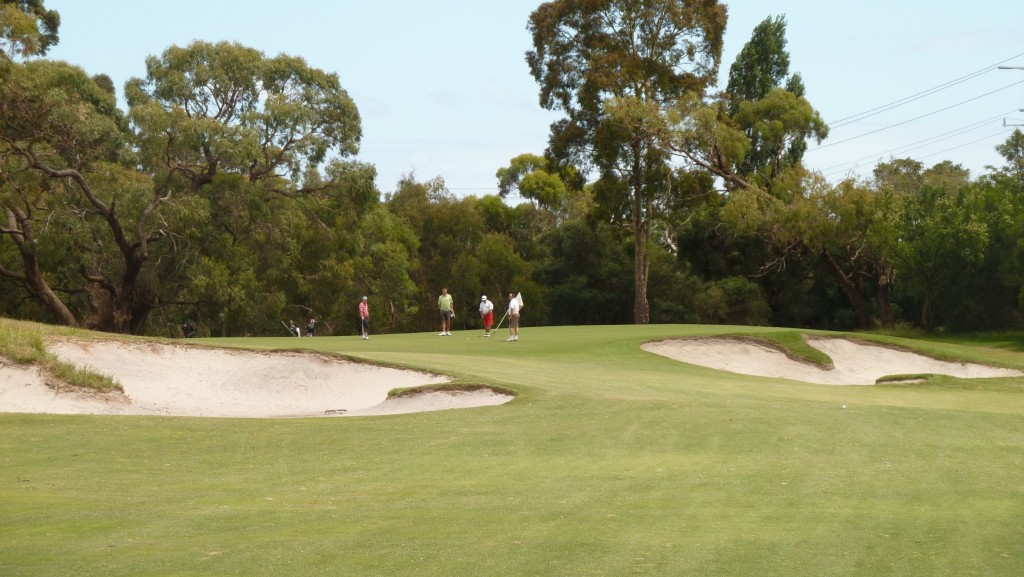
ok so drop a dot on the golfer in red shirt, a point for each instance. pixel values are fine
(364, 317)
(486, 314)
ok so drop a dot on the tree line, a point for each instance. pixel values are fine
(228, 194)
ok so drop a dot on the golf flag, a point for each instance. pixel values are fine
(519, 297)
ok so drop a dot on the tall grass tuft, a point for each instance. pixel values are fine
(24, 343)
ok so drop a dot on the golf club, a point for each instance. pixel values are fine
(290, 329)
(494, 331)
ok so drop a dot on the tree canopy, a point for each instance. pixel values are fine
(227, 195)
(27, 28)
(212, 128)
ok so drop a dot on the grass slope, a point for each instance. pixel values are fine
(611, 461)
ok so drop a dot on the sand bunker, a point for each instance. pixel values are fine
(854, 363)
(181, 380)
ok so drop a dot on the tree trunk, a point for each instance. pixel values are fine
(119, 308)
(641, 242)
(883, 297)
(20, 231)
(641, 308)
(864, 318)
(42, 291)
(129, 309)
(926, 313)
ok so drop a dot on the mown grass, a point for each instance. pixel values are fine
(610, 461)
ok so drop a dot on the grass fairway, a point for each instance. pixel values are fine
(611, 461)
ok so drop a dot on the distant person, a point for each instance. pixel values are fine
(311, 327)
(188, 329)
(446, 305)
(486, 314)
(513, 317)
(294, 329)
(364, 317)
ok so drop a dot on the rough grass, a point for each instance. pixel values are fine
(24, 343)
(792, 343)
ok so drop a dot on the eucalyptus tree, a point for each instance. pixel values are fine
(529, 175)
(758, 129)
(268, 259)
(242, 133)
(383, 264)
(768, 104)
(615, 68)
(752, 138)
(934, 232)
(27, 28)
(586, 274)
(217, 138)
(1012, 150)
(65, 177)
(225, 110)
(840, 223)
(555, 189)
(331, 231)
(1001, 280)
(449, 230)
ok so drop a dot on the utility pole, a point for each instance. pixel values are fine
(1021, 109)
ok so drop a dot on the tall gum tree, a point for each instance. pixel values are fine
(767, 103)
(752, 137)
(616, 67)
(757, 131)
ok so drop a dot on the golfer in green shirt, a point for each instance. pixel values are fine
(447, 308)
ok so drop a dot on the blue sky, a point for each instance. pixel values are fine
(443, 88)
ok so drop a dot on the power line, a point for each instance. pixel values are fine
(897, 103)
(982, 139)
(879, 110)
(916, 118)
(924, 142)
(914, 97)
(966, 144)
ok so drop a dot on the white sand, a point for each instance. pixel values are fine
(854, 363)
(203, 382)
